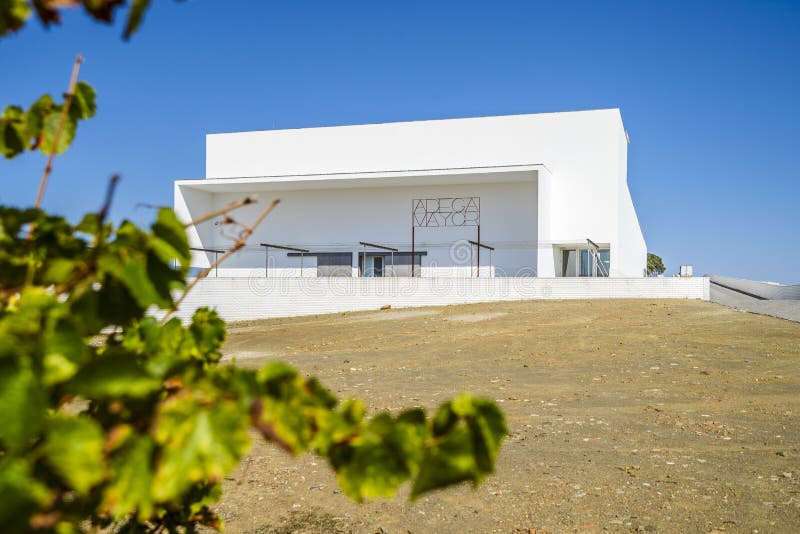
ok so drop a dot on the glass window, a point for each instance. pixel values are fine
(569, 263)
(586, 263)
(605, 260)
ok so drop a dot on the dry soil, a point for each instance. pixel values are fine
(636, 415)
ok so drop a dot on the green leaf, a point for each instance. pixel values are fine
(83, 102)
(449, 462)
(36, 115)
(22, 494)
(102, 10)
(58, 271)
(116, 304)
(22, 404)
(50, 129)
(135, 16)
(291, 409)
(58, 368)
(131, 480)
(208, 331)
(114, 374)
(65, 349)
(74, 449)
(202, 440)
(170, 237)
(385, 455)
(133, 275)
(13, 14)
(468, 433)
(13, 133)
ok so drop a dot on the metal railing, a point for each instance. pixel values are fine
(267, 246)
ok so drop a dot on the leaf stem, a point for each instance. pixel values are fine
(76, 67)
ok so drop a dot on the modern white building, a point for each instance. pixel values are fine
(546, 195)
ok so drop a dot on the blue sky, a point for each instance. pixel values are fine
(708, 91)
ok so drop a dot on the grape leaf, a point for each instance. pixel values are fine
(114, 374)
(50, 129)
(13, 14)
(201, 441)
(74, 449)
(131, 480)
(22, 403)
(22, 494)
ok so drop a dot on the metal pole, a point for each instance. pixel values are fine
(393, 273)
(490, 263)
(413, 256)
(479, 251)
(470, 260)
(266, 262)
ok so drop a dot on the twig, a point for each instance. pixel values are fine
(246, 233)
(84, 269)
(230, 207)
(76, 67)
(91, 264)
(112, 185)
(148, 206)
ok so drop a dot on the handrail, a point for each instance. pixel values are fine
(373, 245)
(381, 247)
(216, 252)
(594, 250)
(482, 245)
(281, 247)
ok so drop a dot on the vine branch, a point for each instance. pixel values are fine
(243, 237)
(222, 211)
(76, 67)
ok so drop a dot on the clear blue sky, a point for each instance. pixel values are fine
(708, 91)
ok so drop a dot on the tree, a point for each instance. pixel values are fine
(113, 416)
(654, 264)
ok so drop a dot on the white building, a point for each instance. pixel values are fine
(546, 195)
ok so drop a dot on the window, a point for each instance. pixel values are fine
(580, 262)
(377, 264)
(335, 264)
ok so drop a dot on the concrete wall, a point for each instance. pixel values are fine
(629, 250)
(338, 219)
(763, 290)
(580, 148)
(256, 298)
(584, 195)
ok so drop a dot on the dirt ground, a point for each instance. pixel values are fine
(635, 415)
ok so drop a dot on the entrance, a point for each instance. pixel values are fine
(581, 262)
(373, 266)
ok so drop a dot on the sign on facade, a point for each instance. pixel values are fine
(441, 212)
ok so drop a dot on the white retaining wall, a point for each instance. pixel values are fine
(764, 290)
(258, 298)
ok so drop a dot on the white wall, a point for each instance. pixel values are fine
(258, 298)
(585, 152)
(580, 149)
(191, 204)
(338, 219)
(629, 251)
(764, 290)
